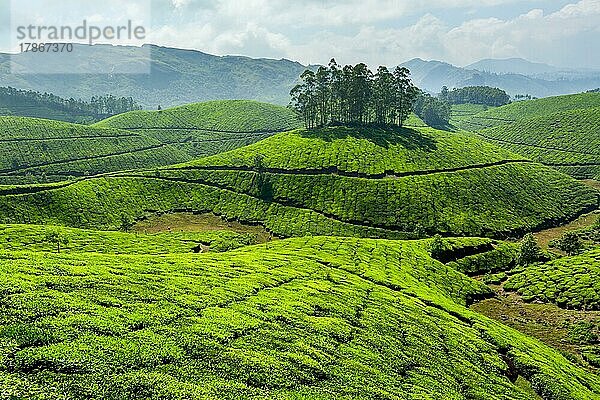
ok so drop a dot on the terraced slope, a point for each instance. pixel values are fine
(335, 181)
(318, 318)
(208, 128)
(570, 282)
(529, 109)
(35, 238)
(461, 112)
(568, 141)
(38, 150)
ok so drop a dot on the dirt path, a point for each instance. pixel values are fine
(546, 322)
(547, 235)
(188, 222)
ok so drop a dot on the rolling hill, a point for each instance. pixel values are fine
(317, 317)
(335, 181)
(208, 128)
(568, 140)
(522, 110)
(178, 76)
(39, 150)
(175, 77)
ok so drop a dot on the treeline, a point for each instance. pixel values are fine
(98, 106)
(433, 111)
(484, 95)
(354, 95)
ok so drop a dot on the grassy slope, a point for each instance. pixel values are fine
(208, 128)
(221, 115)
(569, 141)
(529, 109)
(365, 150)
(461, 112)
(317, 318)
(440, 182)
(30, 146)
(33, 238)
(571, 282)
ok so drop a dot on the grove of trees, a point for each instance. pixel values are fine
(354, 95)
(485, 95)
(433, 111)
(98, 106)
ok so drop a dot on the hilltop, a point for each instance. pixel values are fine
(314, 317)
(337, 181)
(208, 128)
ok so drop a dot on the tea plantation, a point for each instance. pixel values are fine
(522, 110)
(37, 150)
(306, 318)
(568, 141)
(570, 282)
(338, 181)
(35, 238)
(208, 128)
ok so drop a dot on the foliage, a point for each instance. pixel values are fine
(433, 111)
(57, 238)
(502, 257)
(437, 247)
(305, 318)
(495, 279)
(353, 95)
(584, 333)
(570, 243)
(529, 251)
(484, 95)
(29, 103)
(570, 282)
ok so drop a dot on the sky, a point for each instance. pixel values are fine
(564, 33)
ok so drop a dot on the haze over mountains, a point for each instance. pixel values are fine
(515, 76)
(183, 76)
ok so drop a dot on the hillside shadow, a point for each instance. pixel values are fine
(408, 138)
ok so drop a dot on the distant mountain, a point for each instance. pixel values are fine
(513, 66)
(179, 76)
(432, 75)
(176, 76)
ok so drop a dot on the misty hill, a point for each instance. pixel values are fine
(432, 75)
(176, 76)
(512, 66)
(188, 76)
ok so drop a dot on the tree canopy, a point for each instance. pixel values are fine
(485, 95)
(354, 95)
